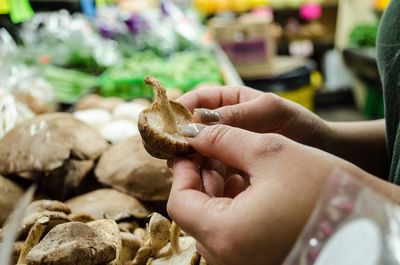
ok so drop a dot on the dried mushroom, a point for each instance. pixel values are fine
(130, 245)
(108, 203)
(109, 231)
(93, 101)
(186, 254)
(159, 235)
(160, 123)
(10, 193)
(34, 236)
(72, 243)
(56, 150)
(55, 211)
(129, 168)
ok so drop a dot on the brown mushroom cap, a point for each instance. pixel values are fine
(160, 123)
(55, 149)
(72, 243)
(108, 229)
(44, 143)
(10, 193)
(108, 203)
(129, 168)
(55, 211)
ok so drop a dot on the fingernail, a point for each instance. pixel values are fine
(192, 130)
(207, 115)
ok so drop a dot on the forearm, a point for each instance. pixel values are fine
(362, 143)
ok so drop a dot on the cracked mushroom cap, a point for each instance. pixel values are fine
(44, 143)
(10, 193)
(72, 243)
(55, 211)
(108, 203)
(129, 168)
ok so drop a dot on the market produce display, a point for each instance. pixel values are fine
(159, 125)
(70, 101)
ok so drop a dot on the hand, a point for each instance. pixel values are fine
(277, 182)
(257, 111)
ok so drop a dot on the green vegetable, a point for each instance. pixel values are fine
(364, 36)
(69, 85)
(183, 70)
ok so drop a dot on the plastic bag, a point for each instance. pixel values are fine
(68, 40)
(27, 85)
(12, 113)
(351, 225)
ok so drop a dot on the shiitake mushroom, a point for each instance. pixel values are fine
(160, 123)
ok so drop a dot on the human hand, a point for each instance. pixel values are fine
(257, 111)
(274, 189)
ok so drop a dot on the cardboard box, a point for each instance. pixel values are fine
(248, 41)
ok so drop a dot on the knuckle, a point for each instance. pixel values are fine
(233, 116)
(271, 100)
(217, 134)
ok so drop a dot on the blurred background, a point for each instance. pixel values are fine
(56, 54)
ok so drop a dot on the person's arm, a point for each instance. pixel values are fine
(362, 143)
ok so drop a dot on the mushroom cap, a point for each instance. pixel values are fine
(158, 143)
(54, 210)
(108, 203)
(10, 193)
(108, 229)
(72, 243)
(129, 168)
(43, 144)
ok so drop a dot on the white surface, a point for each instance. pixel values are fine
(359, 242)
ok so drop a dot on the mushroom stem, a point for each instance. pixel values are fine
(167, 115)
(174, 241)
(33, 238)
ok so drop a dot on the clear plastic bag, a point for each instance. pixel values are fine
(12, 113)
(68, 40)
(351, 225)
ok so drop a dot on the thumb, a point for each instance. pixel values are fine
(235, 147)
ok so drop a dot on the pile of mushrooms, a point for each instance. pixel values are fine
(96, 202)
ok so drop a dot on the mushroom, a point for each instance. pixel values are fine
(159, 235)
(108, 229)
(33, 238)
(56, 150)
(159, 125)
(179, 251)
(129, 168)
(108, 203)
(130, 245)
(55, 211)
(72, 244)
(185, 255)
(10, 193)
(95, 101)
(128, 226)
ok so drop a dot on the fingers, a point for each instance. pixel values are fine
(235, 185)
(215, 97)
(194, 211)
(213, 183)
(235, 147)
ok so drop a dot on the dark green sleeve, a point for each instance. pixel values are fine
(388, 48)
